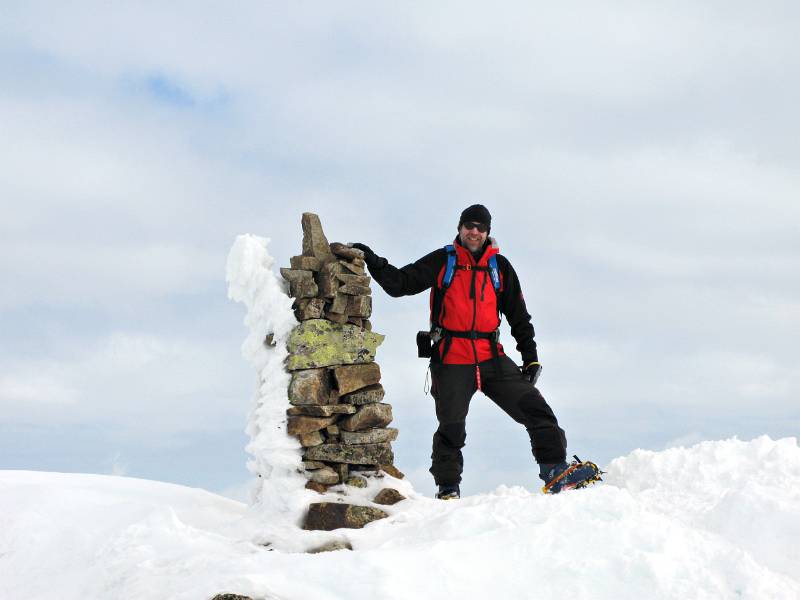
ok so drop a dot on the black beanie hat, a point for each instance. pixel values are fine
(478, 213)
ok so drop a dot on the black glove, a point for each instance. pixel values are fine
(373, 260)
(531, 372)
(363, 247)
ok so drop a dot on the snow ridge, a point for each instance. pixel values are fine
(717, 520)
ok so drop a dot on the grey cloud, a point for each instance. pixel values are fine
(146, 384)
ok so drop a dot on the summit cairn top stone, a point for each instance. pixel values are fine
(314, 241)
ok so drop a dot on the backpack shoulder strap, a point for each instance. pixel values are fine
(438, 292)
(494, 272)
(450, 269)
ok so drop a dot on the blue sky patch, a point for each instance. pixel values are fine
(169, 92)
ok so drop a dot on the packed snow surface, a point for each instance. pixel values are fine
(717, 520)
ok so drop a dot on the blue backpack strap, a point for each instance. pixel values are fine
(451, 266)
(494, 272)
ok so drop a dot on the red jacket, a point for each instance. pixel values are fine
(470, 303)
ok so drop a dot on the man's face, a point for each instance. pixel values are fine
(470, 237)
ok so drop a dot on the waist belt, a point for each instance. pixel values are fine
(472, 335)
(440, 333)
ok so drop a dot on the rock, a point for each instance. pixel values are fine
(308, 440)
(340, 319)
(320, 343)
(227, 596)
(332, 430)
(328, 284)
(346, 251)
(324, 475)
(327, 410)
(388, 496)
(354, 268)
(310, 386)
(390, 469)
(359, 306)
(335, 268)
(292, 275)
(303, 289)
(365, 454)
(350, 279)
(369, 415)
(356, 481)
(370, 436)
(310, 465)
(367, 470)
(306, 263)
(301, 425)
(367, 395)
(301, 283)
(350, 378)
(309, 309)
(365, 324)
(327, 516)
(342, 469)
(354, 321)
(332, 546)
(314, 241)
(355, 290)
(317, 487)
(339, 304)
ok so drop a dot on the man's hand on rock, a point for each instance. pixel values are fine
(373, 260)
(363, 247)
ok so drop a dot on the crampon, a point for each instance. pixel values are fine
(577, 475)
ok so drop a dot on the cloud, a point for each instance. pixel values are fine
(147, 384)
(640, 164)
(36, 388)
(688, 439)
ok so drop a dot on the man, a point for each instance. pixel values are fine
(472, 284)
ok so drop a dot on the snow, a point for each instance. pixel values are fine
(719, 519)
(716, 520)
(276, 455)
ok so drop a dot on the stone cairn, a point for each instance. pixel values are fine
(335, 393)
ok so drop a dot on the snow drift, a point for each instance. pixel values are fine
(717, 520)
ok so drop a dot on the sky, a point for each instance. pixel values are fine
(640, 161)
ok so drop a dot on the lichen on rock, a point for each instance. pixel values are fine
(320, 343)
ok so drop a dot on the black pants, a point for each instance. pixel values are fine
(452, 386)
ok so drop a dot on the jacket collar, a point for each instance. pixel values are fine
(490, 248)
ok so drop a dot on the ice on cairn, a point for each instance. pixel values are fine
(320, 389)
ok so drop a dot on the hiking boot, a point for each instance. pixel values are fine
(562, 476)
(449, 492)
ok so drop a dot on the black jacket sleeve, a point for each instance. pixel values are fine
(512, 305)
(411, 279)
